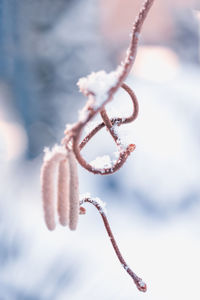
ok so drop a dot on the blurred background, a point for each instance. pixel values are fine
(153, 202)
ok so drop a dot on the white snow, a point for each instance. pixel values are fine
(125, 138)
(99, 202)
(84, 196)
(102, 162)
(99, 84)
(57, 149)
(96, 201)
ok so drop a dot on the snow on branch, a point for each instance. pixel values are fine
(99, 84)
(60, 163)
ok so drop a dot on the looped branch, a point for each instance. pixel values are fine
(109, 123)
(118, 121)
(100, 88)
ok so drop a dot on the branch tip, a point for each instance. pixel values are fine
(138, 281)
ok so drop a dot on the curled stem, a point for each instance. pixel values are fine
(123, 153)
(137, 280)
(74, 134)
(118, 121)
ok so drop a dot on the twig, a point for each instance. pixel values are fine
(109, 123)
(137, 280)
(118, 121)
(73, 134)
(63, 158)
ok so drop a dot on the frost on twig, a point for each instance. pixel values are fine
(99, 84)
(95, 201)
(102, 162)
(101, 208)
(99, 88)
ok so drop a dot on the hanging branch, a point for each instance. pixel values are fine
(100, 88)
(137, 280)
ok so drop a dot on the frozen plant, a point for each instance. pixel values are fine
(100, 88)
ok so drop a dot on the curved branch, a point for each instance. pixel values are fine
(118, 121)
(124, 153)
(132, 49)
(75, 133)
(137, 280)
(109, 126)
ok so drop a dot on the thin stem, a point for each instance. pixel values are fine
(137, 280)
(109, 125)
(123, 153)
(118, 121)
(74, 133)
(132, 49)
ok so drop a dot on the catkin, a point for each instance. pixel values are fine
(74, 192)
(63, 192)
(48, 172)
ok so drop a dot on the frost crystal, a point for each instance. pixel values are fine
(99, 84)
(84, 196)
(101, 204)
(125, 139)
(96, 201)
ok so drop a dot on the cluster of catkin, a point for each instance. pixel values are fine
(60, 167)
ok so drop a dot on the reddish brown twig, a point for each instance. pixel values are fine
(118, 121)
(90, 110)
(138, 281)
(100, 88)
(76, 131)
